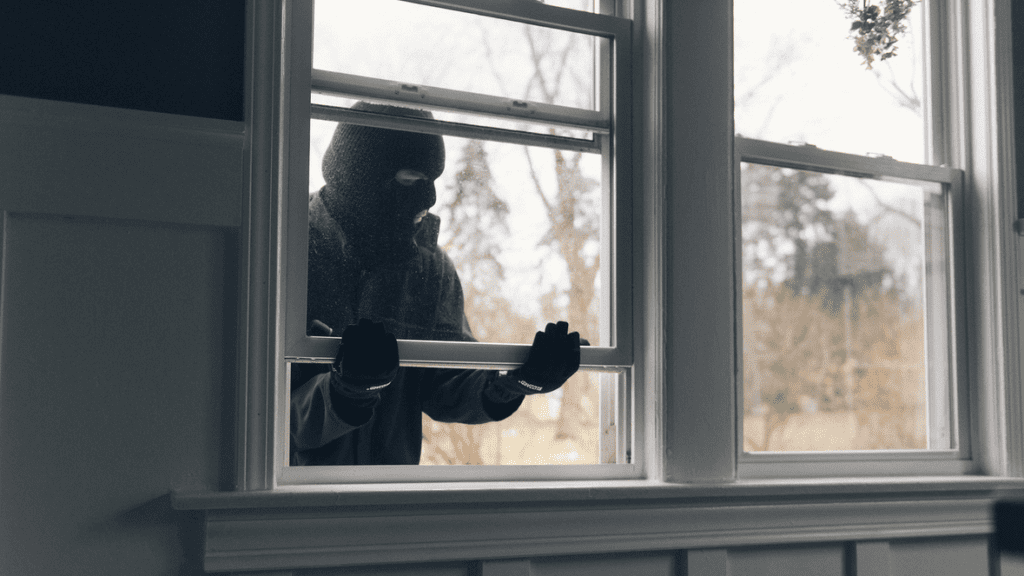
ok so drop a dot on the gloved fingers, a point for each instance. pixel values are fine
(558, 330)
(371, 328)
(353, 332)
(572, 345)
(391, 345)
(340, 354)
(366, 328)
(540, 339)
(573, 360)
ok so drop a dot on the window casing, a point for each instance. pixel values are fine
(610, 126)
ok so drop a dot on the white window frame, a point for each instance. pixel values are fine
(685, 409)
(611, 127)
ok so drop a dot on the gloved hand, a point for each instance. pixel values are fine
(367, 360)
(553, 358)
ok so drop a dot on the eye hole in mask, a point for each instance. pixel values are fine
(407, 177)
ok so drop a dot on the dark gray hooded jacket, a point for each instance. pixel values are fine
(418, 299)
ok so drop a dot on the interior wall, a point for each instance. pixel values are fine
(182, 57)
(119, 256)
(114, 371)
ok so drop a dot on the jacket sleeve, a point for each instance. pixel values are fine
(319, 415)
(450, 395)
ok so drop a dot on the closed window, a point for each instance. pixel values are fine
(851, 239)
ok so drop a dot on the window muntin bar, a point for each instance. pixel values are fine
(814, 158)
(434, 98)
(335, 114)
(335, 101)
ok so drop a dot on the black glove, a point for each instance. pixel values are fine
(553, 358)
(367, 360)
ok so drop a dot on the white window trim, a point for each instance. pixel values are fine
(688, 410)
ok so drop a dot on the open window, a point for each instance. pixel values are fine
(532, 102)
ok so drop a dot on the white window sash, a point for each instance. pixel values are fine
(613, 116)
(592, 145)
(949, 400)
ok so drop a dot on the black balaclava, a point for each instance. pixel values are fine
(375, 211)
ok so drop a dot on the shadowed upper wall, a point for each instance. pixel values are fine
(182, 57)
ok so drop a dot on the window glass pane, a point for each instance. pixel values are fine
(845, 312)
(562, 427)
(524, 227)
(416, 44)
(798, 79)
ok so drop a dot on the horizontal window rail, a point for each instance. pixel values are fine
(438, 354)
(806, 157)
(446, 99)
(442, 128)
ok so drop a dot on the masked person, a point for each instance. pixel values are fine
(377, 273)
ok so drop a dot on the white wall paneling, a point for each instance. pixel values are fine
(707, 562)
(118, 335)
(115, 360)
(85, 160)
(819, 560)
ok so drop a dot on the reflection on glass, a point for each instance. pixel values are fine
(448, 49)
(845, 324)
(523, 228)
(798, 78)
(563, 427)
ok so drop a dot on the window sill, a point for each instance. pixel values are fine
(319, 526)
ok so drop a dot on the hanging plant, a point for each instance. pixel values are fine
(875, 30)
